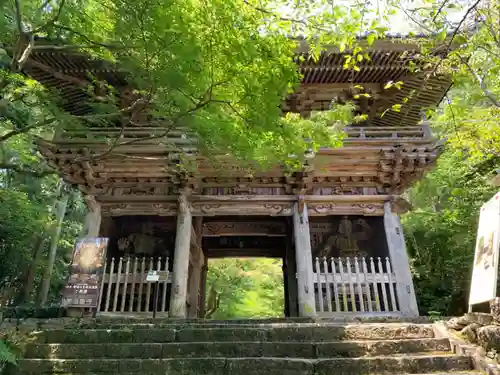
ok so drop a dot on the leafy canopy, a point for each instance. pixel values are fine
(218, 68)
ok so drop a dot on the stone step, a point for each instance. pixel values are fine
(237, 349)
(248, 366)
(180, 325)
(119, 321)
(312, 332)
(119, 318)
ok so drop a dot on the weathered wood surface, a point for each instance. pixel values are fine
(387, 153)
(246, 228)
(355, 285)
(124, 280)
(303, 258)
(246, 205)
(387, 164)
(179, 293)
(400, 262)
(197, 260)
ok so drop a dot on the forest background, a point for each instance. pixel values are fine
(39, 215)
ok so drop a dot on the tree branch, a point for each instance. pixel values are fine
(480, 80)
(93, 42)
(26, 53)
(27, 171)
(415, 20)
(438, 12)
(285, 19)
(203, 103)
(25, 129)
(19, 21)
(53, 20)
(457, 29)
(418, 91)
(49, 121)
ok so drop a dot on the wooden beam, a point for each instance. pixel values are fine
(247, 228)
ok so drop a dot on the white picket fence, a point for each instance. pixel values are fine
(124, 287)
(342, 285)
(354, 285)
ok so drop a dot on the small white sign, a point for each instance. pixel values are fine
(152, 276)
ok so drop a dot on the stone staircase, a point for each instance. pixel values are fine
(239, 348)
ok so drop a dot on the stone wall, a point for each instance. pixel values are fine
(482, 329)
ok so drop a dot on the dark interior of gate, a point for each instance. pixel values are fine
(340, 245)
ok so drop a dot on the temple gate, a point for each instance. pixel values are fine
(334, 223)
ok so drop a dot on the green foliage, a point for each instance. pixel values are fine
(6, 354)
(247, 287)
(27, 312)
(19, 223)
(25, 219)
(441, 232)
(220, 69)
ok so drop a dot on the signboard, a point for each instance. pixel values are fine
(85, 275)
(485, 268)
(152, 277)
(157, 276)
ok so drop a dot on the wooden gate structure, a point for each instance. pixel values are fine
(335, 223)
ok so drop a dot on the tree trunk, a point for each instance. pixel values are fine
(212, 302)
(30, 274)
(56, 232)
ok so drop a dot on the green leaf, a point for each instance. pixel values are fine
(441, 36)
(396, 107)
(370, 39)
(388, 85)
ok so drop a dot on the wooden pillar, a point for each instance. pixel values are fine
(203, 288)
(400, 262)
(197, 261)
(303, 256)
(286, 292)
(291, 272)
(199, 286)
(92, 222)
(181, 260)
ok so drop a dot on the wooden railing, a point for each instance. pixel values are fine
(354, 285)
(124, 287)
(388, 132)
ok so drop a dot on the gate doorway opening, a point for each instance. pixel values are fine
(245, 288)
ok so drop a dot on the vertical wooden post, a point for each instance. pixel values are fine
(303, 256)
(203, 287)
(197, 263)
(400, 262)
(284, 268)
(92, 223)
(291, 271)
(178, 294)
